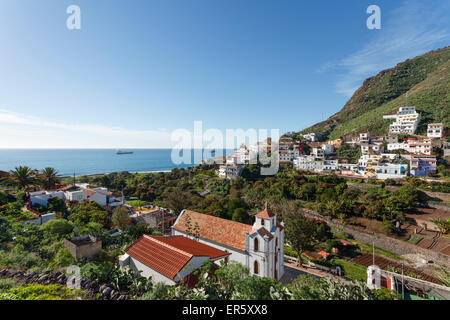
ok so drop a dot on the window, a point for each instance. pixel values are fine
(256, 245)
(262, 222)
(256, 267)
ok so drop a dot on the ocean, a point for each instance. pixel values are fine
(94, 161)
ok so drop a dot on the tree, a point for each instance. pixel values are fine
(5, 227)
(121, 217)
(57, 227)
(88, 211)
(23, 177)
(49, 178)
(240, 215)
(302, 233)
(57, 205)
(177, 201)
(138, 230)
(442, 224)
(308, 191)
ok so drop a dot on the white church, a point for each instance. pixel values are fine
(260, 246)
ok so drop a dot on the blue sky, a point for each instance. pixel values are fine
(137, 70)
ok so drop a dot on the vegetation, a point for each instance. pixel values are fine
(13, 291)
(121, 217)
(425, 78)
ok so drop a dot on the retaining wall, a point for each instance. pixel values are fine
(396, 246)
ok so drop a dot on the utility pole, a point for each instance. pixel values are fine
(164, 230)
(403, 284)
(373, 253)
(74, 179)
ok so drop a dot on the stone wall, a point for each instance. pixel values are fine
(92, 289)
(396, 246)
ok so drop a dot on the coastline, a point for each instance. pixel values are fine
(105, 173)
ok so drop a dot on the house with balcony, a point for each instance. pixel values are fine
(435, 130)
(421, 165)
(406, 121)
(392, 171)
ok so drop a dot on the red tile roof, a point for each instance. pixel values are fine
(3, 173)
(323, 254)
(265, 214)
(169, 255)
(227, 232)
(115, 195)
(192, 247)
(66, 188)
(90, 192)
(158, 257)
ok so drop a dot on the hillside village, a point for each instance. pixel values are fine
(169, 242)
(397, 155)
(358, 209)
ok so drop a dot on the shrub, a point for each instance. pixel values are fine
(57, 227)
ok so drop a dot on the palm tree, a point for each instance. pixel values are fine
(23, 177)
(49, 178)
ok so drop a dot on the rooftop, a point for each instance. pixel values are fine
(169, 255)
(227, 232)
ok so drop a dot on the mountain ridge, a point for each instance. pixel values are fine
(426, 78)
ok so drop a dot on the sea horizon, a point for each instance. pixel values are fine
(93, 161)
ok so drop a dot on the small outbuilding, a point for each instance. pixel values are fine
(84, 246)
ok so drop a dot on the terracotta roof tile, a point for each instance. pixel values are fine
(66, 188)
(265, 214)
(227, 232)
(90, 192)
(159, 257)
(192, 247)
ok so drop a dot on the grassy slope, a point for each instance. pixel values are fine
(426, 78)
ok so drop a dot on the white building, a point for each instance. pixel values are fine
(327, 149)
(367, 160)
(308, 163)
(318, 153)
(284, 156)
(260, 246)
(76, 193)
(245, 155)
(371, 148)
(435, 130)
(416, 146)
(168, 260)
(41, 197)
(446, 147)
(406, 120)
(348, 168)
(330, 165)
(310, 137)
(364, 137)
(230, 171)
(392, 171)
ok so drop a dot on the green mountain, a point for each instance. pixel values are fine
(426, 78)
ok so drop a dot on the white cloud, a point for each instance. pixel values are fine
(411, 30)
(22, 131)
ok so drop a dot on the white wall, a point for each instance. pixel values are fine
(148, 272)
